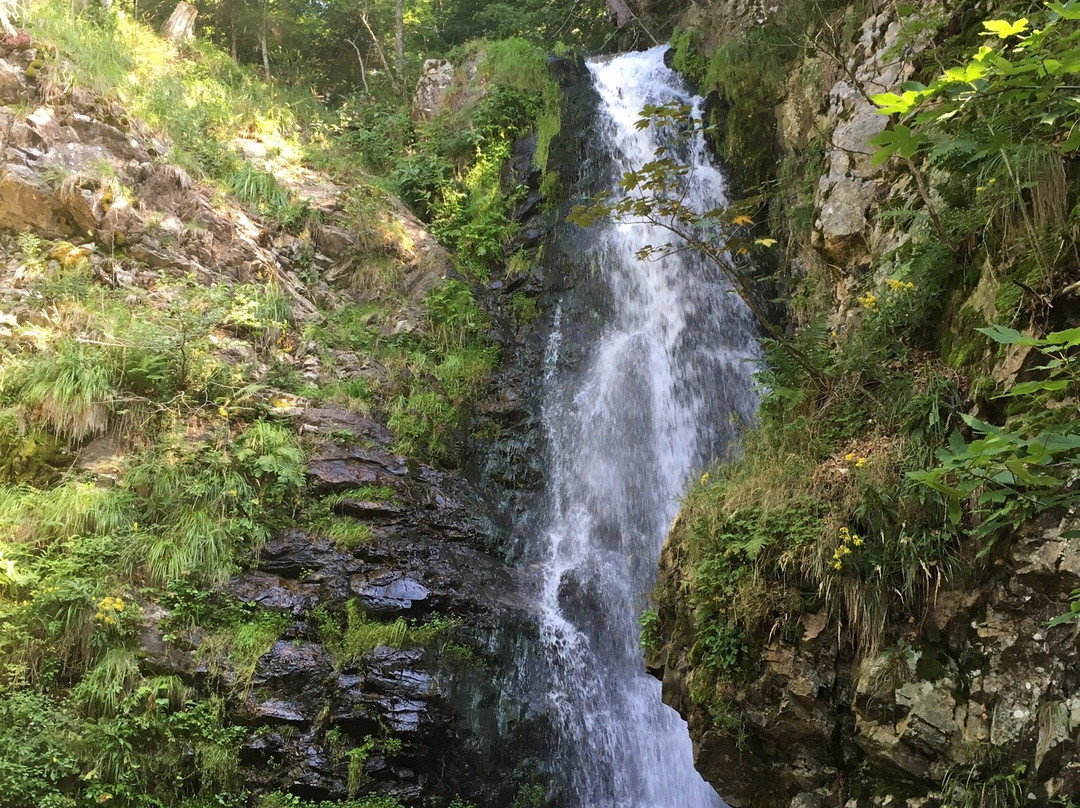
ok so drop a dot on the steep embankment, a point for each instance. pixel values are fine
(237, 564)
(862, 606)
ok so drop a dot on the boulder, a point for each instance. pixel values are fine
(432, 88)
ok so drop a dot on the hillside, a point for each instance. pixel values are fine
(237, 564)
(872, 602)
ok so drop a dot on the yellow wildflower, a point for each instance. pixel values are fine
(704, 478)
(869, 301)
(849, 456)
(860, 462)
(838, 564)
(856, 540)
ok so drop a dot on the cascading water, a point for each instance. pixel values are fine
(650, 402)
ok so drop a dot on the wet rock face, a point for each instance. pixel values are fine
(424, 721)
(418, 716)
(425, 560)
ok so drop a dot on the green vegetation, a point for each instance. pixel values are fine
(750, 72)
(147, 449)
(867, 484)
(350, 634)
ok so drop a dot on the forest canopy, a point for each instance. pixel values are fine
(326, 44)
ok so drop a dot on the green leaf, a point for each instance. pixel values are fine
(1072, 142)
(931, 479)
(981, 426)
(966, 74)
(1027, 388)
(1056, 442)
(1068, 338)
(1068, 11)
(893, 104)
(952, 507)
(898, 140)
(1007, 336)
(1061, 619)
(1004, 29)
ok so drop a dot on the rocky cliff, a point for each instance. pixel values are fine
(811, 670)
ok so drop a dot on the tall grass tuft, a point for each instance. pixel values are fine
(193, 545)
(105, 686)
(71, 390)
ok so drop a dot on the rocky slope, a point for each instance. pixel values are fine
(967, 698)
(419, 716)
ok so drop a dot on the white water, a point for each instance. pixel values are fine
(650, 404)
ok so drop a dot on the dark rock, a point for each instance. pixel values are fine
(391, 593)
(295, 553)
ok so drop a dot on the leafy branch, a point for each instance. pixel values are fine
(656, 194)
(1015, 472)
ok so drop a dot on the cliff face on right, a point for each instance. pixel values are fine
(873, 600)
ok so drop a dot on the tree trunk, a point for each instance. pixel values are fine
(399, 86)
(262, 39)
(399, 37)
(181, 22)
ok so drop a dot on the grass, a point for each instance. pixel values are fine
(207, 473)
(70, 390)
(75, 508)
(349, 636)
(234, 650)
(346, 533)
(105, 686)
(199, 97)
(522, 65)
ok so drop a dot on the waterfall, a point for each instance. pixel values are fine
(646, 402)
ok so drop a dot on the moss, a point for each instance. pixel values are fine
(1007, 301)
(930, 666)
(685, 56)
(963, 345)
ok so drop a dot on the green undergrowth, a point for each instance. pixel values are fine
(153, 462)
(350, 633)
(452, 173)
(147, 443)
(432, 374)
(902, 457)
